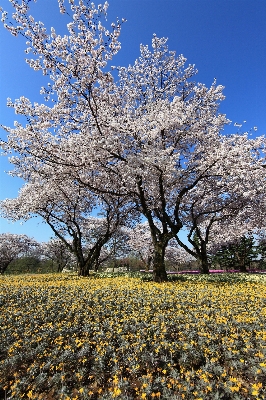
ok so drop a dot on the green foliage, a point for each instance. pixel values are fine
(196, 239)
(30, 264)
(261, 250)
(237, 255)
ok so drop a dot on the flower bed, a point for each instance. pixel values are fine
(212, 271)
(65, 337)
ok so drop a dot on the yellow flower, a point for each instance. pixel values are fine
(116, 392)
(234, 388)
(256, 387)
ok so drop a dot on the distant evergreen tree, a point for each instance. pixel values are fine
(237, 255)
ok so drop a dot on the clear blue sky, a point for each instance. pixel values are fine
(225, 39)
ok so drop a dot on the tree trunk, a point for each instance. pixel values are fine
(96, 266)
(159, 272)
(83, 269)
(3, 267)
(204, 267)
(242, 267)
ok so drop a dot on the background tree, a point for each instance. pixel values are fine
(117, 250)
(261, 249)
(66, 207)
(223, 206)
(13, 246)
(140, 243)
(56, 251)
(177, 258)
(238, 254)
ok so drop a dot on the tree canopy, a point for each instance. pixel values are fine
(146, 137)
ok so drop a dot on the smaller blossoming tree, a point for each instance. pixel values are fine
(13, 246)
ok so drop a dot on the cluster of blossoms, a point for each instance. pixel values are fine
(65, 337)
(152, 139)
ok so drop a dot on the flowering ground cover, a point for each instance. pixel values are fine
(65, 337)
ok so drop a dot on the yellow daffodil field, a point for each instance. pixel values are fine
(67, 337)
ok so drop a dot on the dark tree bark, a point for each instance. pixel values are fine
(159, 272)
(204, 268)
(3, 267)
